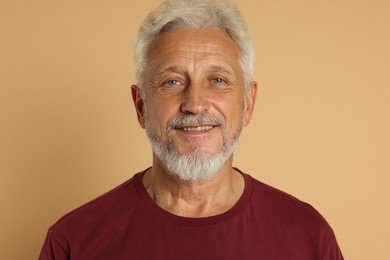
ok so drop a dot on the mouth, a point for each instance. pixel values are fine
(196, 128)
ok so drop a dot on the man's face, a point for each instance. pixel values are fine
(194, 73)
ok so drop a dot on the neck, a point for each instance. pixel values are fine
(208, 197)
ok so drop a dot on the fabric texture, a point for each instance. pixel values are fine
(125, 223)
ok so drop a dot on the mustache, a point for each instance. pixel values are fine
(186, 120)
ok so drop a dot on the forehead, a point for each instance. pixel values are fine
(193, 43)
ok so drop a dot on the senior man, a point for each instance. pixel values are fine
(194, 95)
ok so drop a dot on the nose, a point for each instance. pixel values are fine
(195, 99)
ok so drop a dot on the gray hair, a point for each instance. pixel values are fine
(173, 14)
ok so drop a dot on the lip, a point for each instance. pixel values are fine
(196, 129)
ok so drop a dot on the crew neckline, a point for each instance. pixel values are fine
(152, 206)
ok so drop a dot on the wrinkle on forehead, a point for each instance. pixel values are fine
(197, 48)
(196, 40)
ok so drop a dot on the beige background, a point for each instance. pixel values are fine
(68, 131)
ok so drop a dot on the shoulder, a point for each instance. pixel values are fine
(99, 210)
(290, 222)
(284, 209)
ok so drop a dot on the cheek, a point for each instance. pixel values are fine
(230, 108)
(161, 112)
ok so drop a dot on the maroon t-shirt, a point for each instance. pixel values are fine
(126, 223)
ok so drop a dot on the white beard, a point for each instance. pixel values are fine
(194, 165)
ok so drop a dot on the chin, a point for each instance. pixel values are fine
(193, 166)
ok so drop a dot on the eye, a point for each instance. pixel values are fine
(218, 81)
(172, 82)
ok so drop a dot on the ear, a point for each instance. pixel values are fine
(250, 103)
(138, 104)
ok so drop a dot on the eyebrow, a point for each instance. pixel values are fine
(160, 73)
(212, 68)
(217, 68)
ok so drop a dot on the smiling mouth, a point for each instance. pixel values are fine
(197, 128)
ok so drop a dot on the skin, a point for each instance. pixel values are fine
(194, 71)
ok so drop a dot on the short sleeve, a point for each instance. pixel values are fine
(329, 248)
(52, 249)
